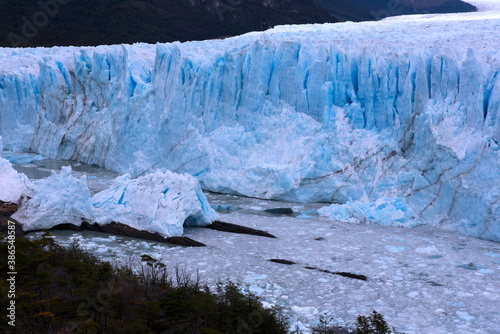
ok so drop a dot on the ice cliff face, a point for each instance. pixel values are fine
(405, 108)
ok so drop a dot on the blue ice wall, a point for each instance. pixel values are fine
(274, 117)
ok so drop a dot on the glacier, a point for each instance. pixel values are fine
(405, 109)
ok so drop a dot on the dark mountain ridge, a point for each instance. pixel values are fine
(367, 10)
(31, 23)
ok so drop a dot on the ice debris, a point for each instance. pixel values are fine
(58, 199)
(383, 211)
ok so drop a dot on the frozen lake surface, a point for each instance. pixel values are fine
(423, 280)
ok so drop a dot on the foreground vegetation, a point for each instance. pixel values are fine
(69, 290)
(372, 324)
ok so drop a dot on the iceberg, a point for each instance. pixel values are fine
(405, 108)
(162, 202)
(58, 199)
(22, 158)
(158, 203)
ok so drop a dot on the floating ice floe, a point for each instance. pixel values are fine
(383, 211)
(22, 158)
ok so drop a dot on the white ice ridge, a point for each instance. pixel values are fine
(405, 108)
(161, 202)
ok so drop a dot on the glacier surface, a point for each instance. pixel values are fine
(405, 109)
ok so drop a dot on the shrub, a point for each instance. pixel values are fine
(69, 290)
(324, 326)
(374, 324)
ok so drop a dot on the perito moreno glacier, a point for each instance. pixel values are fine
(394, 122)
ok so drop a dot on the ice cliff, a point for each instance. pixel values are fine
(403, 109)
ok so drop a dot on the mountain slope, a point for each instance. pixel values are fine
(97, 22)
(367, 10)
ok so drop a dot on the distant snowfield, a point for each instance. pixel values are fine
(485, 5)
